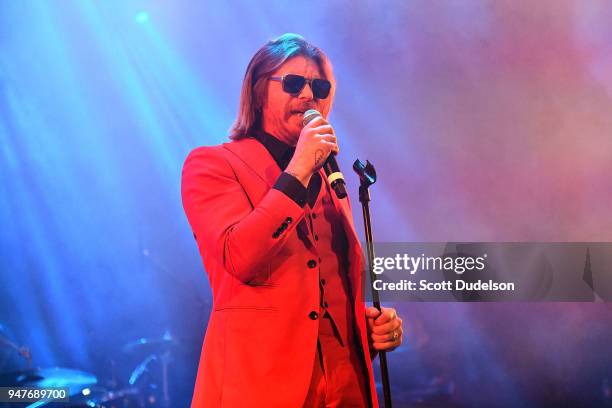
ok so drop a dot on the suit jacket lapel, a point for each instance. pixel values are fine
(355, 255)
(256, 157)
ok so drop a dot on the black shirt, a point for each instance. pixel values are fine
(286, 183)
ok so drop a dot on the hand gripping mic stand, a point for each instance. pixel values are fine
(367, 177)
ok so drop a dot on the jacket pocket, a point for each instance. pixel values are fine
(252, 296)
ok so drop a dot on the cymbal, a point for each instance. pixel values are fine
(49, 377)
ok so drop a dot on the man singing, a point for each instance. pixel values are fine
(288, 327)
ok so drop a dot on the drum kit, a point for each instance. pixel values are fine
(84, 389)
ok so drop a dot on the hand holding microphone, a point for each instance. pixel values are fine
(316, 148)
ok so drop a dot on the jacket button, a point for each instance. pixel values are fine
(288, 220)
(313, 315)
(312, 263)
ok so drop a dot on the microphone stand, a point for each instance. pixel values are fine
(367, 177)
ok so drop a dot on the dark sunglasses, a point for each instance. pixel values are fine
(294, 84)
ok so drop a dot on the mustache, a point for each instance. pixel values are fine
(304, 108)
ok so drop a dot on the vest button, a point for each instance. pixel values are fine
(314, 215)
(312, 263)
(325, 305)
(313, 315)
(316, 237)
(322, 281)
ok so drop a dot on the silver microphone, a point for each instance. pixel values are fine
(332, 171)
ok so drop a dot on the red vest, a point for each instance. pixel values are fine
(330, 249)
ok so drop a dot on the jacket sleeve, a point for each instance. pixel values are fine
(227, 226)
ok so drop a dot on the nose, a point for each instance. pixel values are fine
(306, 92)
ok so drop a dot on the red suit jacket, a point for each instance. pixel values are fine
(260, 342)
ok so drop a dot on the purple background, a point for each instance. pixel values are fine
(486, 120)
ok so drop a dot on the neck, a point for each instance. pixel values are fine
(278, 133)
